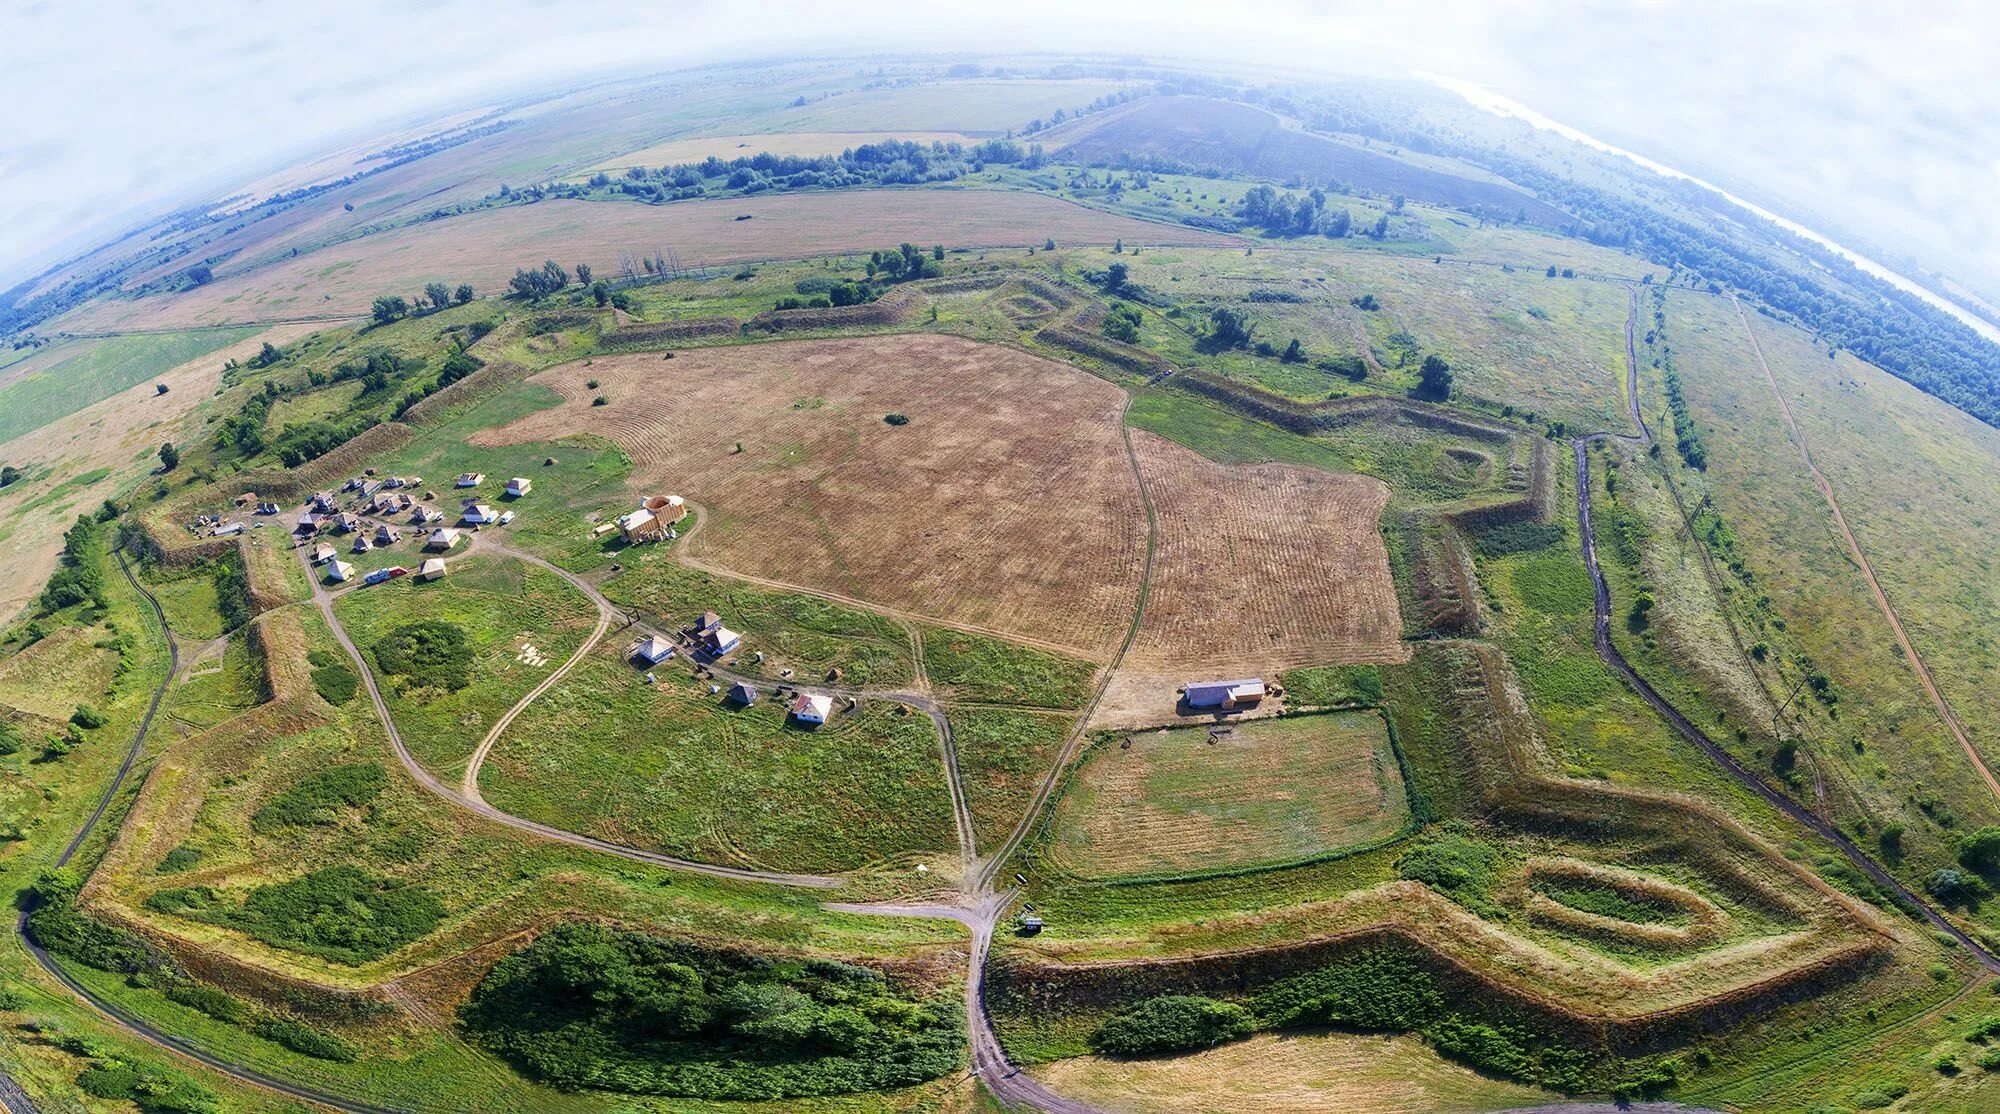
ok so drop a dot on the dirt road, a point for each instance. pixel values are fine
(1735, 769)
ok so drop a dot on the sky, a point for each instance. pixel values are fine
(1885, 126)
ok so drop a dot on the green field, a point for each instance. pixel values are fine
(804, 634)
(504, 608)
(1266, 791)
(99, 371)
(673, 767)
(974, 667)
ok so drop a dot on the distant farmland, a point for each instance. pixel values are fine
(484, 248)
(1238, 138)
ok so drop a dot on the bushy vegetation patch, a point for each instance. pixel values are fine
(335, 682)
(1517, 537)
(432, 654)
(59, 927)
(152, 1089)
(1172, 1023)
(80, 579)
(341, 913)
(179, 859)
(1454, 862)
(590, 1006)
(319, 798)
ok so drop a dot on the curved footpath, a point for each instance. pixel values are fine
(1735, 769)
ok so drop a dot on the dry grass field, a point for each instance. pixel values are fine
(1263, 566)
(1007, 503)
(1291, 1073)
(726, 147)
(94, 453)
(485, 247)
(1269, 791)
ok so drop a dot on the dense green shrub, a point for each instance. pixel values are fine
(432, 654)
(1453, 862)
(58, 926)
(232, 590)
(88, 718)
(1172, 1023)
(1322, 685)
(1517, 537)
(81, 577)
(341, 913)
(306, 1040)
(151, 1089)
(1376, 989)
(318, 798)
(589, 1006)
(217, 1004)
(336, 683)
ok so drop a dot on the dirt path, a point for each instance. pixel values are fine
(1735, 769)
(324, 601)
(1882, 603)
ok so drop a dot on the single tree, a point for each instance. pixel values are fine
(1434, 378)
(170, 457)
(583, 274)
(437, 294)
(1114, 276)
(390, 307)
(464, 293)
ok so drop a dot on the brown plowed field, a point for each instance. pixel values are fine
(1006, 503)
(1263, 566)
(484, 248)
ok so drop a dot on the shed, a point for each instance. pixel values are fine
(1225, 694)
(812, 707)
(708, 621)
(444, 537)
(338, 571)
(360, 543)
(653, 650)
(744, 694)
(227, 530)
(322, 553)
(479, 514)
(470, 479)
(386, 534)
(431, 569)
(519, 486)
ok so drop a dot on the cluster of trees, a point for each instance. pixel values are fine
(891, 162)
(1305, 214)
(905, 262)
(1060, 116)
(436, 295)
(80, 576)
(542, 281)
(590, 1006)
(432, 654)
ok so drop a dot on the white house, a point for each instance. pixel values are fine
(339, 571)
(653, 650)
(1225, 694)
(519, 486)
(479, 514)
(431, 569)
(719, 640)
(444, 537)
(471, 479)
(386, 534)
(812, 707)
(322, 553)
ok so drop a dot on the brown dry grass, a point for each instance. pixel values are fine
(484, 248)
(1302, 1072)
(1261, 567)
(726, 147)
(120, 433)
(1005, 504)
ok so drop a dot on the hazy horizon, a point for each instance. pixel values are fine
(1867, 129)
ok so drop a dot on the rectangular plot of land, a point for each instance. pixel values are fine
(1264, 566)
(1005, 503)
(1268, 791)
